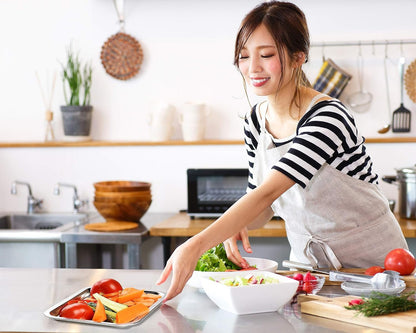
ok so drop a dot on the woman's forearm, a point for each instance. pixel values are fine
(252, 207)
(264, 217)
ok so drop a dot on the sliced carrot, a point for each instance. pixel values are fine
(146, 301)
(153, 296)
(129, 303)
(128, 294)
(99, 314)
(130, 313)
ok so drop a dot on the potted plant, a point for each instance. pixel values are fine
(77, 113)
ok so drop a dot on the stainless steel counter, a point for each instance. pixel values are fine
(27, 293)
(52, 245)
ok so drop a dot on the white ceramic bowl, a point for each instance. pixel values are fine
(260, 263)
(249, 299)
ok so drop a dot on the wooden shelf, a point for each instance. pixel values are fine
(391, 140)
(116, 143)
(94, 143)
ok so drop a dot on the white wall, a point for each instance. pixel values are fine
(188, 53)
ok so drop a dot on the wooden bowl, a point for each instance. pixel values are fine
(121, 186)
(138, 194)
(124, 200)
(122, 212)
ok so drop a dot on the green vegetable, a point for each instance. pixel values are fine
(116, 307)
(380, 304)
(215, 260)
(111, 315)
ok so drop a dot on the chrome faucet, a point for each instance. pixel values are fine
(33, 204)
(77, 203)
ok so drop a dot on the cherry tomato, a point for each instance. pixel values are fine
(400, 260)
(308, 277)
(307, 287)
(297, 276)
(374, 270)
(356, 301)
(77, 311)
(105, 286)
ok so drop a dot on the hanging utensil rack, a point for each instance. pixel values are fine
(365, 42)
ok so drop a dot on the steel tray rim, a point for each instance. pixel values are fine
(86, 291)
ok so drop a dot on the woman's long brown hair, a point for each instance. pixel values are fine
(287, 25)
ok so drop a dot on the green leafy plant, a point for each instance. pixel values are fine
(77, 78)
(380, 304)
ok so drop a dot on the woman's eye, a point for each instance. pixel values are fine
(243, 57)
(267, 55)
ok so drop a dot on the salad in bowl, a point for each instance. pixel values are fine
(215, 260)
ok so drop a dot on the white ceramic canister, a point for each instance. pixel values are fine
(192, 119)
(161, 121)
(193, 112)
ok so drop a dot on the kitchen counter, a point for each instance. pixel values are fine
(181, 225)
(30, 292)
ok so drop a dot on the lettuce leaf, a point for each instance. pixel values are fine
(215, 260)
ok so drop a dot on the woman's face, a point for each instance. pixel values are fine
(260, 63)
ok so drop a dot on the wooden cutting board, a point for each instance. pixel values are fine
(333, 308)
(409, 279)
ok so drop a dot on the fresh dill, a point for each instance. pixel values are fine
(381, 304)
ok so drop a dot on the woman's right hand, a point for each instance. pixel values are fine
(233, 253)
(182, 265)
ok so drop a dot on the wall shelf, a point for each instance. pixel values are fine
(94, 143)
(164, 143)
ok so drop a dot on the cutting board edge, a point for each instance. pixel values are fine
(387, 323)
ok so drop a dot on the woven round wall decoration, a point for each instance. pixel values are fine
(121, 56)
(410, 81)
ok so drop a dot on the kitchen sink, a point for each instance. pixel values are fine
(34, 240)
(41, 221)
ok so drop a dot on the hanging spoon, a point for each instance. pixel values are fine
(386, 127)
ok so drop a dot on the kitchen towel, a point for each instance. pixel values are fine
(331, 79)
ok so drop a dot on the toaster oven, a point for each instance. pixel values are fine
(212, 191)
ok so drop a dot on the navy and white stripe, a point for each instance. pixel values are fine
(325, 134)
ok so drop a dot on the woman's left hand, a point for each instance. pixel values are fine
(233, 253)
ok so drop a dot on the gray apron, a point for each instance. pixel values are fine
(337, 220)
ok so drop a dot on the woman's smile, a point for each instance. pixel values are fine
(259, 81)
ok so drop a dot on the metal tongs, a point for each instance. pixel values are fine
(386, 280)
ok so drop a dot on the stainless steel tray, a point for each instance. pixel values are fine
(53, 311)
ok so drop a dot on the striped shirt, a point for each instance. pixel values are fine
(325, 134)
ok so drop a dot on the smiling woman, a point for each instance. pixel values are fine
(307, 162)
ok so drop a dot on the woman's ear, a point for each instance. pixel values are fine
(298, 59)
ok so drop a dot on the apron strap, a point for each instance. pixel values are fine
(326, 249)
(314, 99)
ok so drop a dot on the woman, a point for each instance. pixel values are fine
(307, 162)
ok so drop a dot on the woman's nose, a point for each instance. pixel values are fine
(255, 65)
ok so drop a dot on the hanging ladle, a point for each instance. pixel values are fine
(360, 101)
(386, 127)
(386, 280)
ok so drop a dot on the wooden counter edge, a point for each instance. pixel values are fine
(181, 225)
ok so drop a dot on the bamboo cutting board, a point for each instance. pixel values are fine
(333, 308)
(409, 279)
